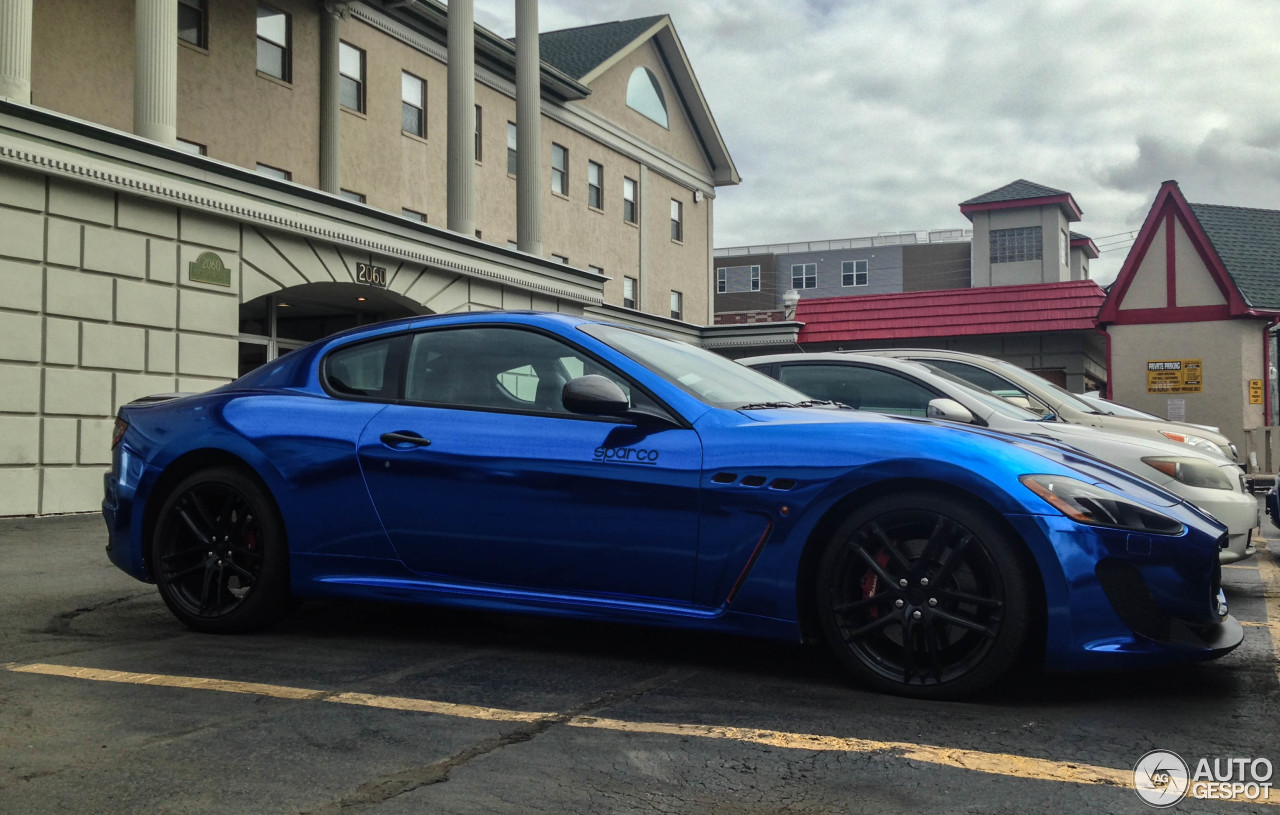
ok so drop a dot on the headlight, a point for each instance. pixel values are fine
(1199, 442)
(1092, 505)
(1191, 471)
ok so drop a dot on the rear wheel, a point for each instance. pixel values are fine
(921, 595)
(219, 554)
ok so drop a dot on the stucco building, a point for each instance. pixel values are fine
(1015, 286)
(1190, 318)
(189, 188)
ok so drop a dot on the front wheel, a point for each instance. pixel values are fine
(921, 595)
(218, 553)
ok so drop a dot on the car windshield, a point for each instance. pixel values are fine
(708, 377)
(988, 399)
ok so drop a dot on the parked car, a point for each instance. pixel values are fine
(1044, 397)
(549, 464)
(1104, 405)
(906, 388)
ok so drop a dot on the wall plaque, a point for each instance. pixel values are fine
(209, 268)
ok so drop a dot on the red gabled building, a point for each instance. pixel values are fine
(1200, 288)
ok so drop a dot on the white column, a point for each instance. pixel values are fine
(15, 51)
(155, 70)
(461, 173)
(330, 104)
(529, 178)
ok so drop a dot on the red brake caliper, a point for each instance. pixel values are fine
(871, 582)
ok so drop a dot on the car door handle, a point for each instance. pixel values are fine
(403, 439)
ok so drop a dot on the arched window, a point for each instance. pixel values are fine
(644, 96)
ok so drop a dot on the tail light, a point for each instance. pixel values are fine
(117, 432)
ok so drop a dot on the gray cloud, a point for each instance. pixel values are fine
(851, 118)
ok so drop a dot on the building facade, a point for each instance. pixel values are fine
(188, 189)
(1190, 318)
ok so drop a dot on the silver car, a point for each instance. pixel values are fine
(903, 387)
(1042, 396)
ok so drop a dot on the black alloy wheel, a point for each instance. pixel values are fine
(921, 595)
(218, 553)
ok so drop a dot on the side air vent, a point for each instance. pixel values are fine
(782, 484)
(724, 478)
(754, 481)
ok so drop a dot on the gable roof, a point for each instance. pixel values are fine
(1036, 307)
(1023, 193)
(586, 52)
(578, 51)
(1241, 257)
(1248, 243)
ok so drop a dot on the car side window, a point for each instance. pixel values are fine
(368, 369)
(864, 388)
(498, 368)
(987, 381)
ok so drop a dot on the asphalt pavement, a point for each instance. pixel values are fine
(108, 705)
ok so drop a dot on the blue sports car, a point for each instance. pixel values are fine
(550, 464)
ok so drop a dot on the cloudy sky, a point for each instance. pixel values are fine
(852, 117)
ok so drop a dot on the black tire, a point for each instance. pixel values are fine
(921, 595)
(218, 553)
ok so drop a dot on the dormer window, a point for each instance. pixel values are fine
(644, 96)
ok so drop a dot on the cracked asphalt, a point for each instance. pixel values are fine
(356, 711)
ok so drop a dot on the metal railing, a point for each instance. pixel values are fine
(884, 239)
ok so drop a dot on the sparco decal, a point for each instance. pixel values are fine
(627, 455)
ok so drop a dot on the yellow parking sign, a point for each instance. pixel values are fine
(1174, 376)
(1255, 391)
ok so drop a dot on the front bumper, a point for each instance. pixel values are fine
(1238, 512)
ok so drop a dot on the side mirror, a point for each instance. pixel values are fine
(594, 395)
(949, 410)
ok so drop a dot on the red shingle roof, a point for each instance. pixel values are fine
(1069, 306)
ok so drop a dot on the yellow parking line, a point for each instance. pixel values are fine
(998, 764)
(1270, 574)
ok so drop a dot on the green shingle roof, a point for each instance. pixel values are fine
(577, 51)
(1017, 191)
(1248, 242)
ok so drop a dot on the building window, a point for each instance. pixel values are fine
(273, 172)
(644, 96)
(559, 169)
(413, 104)
(193, 22)
(275, 56)
(629, 200)
(854, 272)
(351, 77)
(1013, 245)
(677, 220)
(194, 148)
(1066, 249)
(513, 143)
(595, 185)
(560, 259)
(413, 215)
(730, 279)
(629, 292)
(479, 130)
(351, 195)
(677, 305)
(804, 275)
(597, 269)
